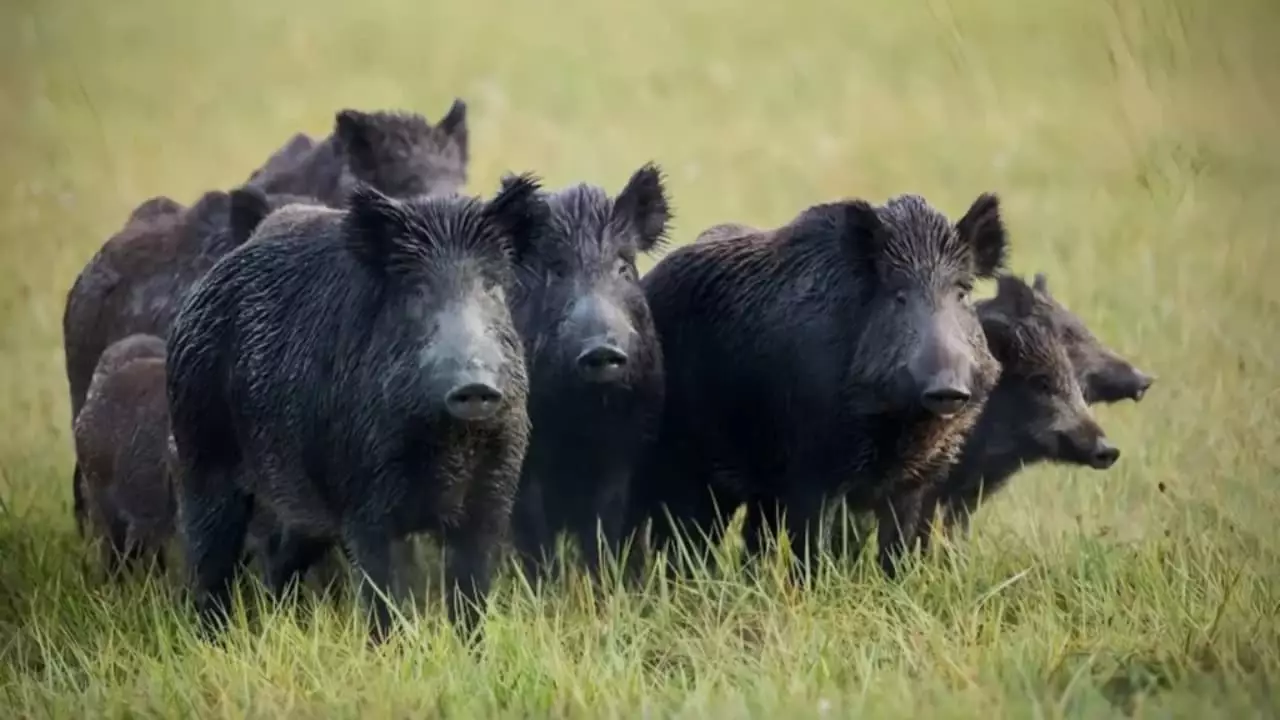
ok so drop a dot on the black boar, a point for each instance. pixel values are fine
(595, 368)
(1033, 415)
(837, 356)
(136, 281)
(285, 558)
(1104, 376)
(357, 373)
(400, 154)
(1036, 413)
(121, 437)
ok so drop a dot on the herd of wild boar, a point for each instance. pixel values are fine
(347, 350)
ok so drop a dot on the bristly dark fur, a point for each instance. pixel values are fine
(326, 399)
(983, 222)
(1104, 375)
(1036, 413)
(250, 206)
(133, 284)
(578, 291)
(1033, 335)
(121, 436)
(794, 360)
(136, 281)
(398, 153)
(400, 236)
(977, 239)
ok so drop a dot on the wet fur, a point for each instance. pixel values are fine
(782, 363)
(1039, 396)
(1040, 391)
(397, 153)
(291, 385)
(586, 437)
(137, 280)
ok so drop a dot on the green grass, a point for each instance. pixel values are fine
(1136, 145)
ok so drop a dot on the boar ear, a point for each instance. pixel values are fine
(519, 210)
(1000, 334)
(454, 124)
(249, 207)
(643, 203)
(1014, 297)
(354, 130)
(376, 226)
(982, 229)
(1041, 283)
(156, 207)
(863, 231)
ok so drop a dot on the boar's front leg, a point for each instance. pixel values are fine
(289, 559)
(898, 517)
(803, 508)
(599, 523)
(369, 549)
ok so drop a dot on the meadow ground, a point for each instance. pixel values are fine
(1136, 146)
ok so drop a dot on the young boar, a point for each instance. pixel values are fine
(136, 281)
(1104, 376)
(1037, 412)
(121, 437)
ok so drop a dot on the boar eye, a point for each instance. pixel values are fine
(623, 268)
(963, 289)
(1041, 384)
(900, 297)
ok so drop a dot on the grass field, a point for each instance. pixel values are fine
(1136, 146)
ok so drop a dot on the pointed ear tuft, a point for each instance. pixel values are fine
(375, 225)
(248, 208)
(1000, 334)
(644, 204)
(983, 230)
(455, 119)
(454, 126)
(354, 130)
(1014, 297)
(519, 210)
(863, 232)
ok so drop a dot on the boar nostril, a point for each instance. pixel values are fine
(944, 401)
(602, 363)
(473, 401)
(1143, 384)
(1104, 455)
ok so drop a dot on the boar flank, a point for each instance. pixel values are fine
(836, 357)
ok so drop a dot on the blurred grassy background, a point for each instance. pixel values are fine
(1136, 146)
